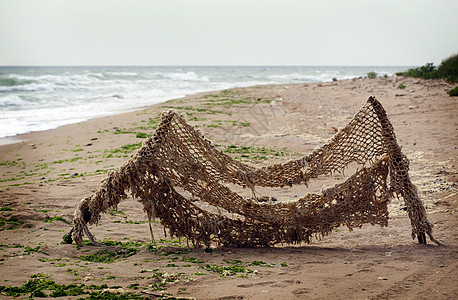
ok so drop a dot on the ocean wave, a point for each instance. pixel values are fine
(34, 87)
(150, 93)
(13, 81)
(109, 75)
(55, 80)
(294, 77)
(127, 74)
(187, 76)
(12, 101)
(66, 79)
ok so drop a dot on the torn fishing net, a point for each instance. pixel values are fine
(177, 165)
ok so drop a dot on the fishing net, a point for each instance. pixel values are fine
(177, 168)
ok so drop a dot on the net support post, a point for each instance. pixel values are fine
(421, 238)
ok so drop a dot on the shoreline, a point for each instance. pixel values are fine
(44, 177)
(46, 98)
(18, 138)
(10, 140)
(6, 140)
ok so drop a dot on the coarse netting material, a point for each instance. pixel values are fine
(178, 165)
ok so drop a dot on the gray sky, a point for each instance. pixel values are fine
(227, 32)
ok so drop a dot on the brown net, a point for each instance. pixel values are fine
(178, 165)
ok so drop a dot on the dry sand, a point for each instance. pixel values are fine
(47, 174)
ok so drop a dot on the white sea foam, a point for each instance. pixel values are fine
(12, 101)
(292, 77)
(34, 87)
(123, 73)
(184, 76)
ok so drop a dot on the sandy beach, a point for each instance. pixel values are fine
(45, 175)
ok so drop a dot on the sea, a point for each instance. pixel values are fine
(41, 98)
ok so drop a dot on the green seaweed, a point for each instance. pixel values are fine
(10, 223)
(57, 218)
(6, 208)
(67, 239)
(453, 92)
(126, 148)
(106, 256)
(230, 270)
(39, 283)
(193, 260)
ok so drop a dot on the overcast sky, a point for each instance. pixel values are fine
(227, 32)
